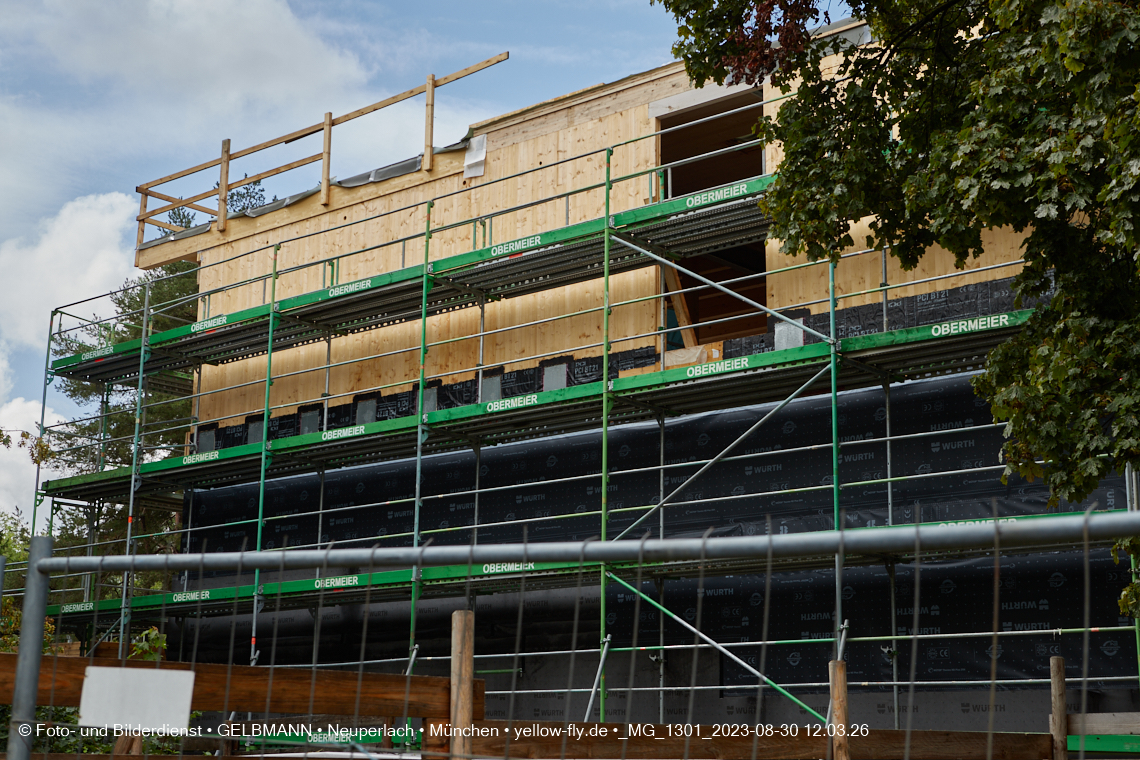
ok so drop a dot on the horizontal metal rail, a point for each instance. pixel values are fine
(1041, 532)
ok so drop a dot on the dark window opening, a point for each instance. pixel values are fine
(708, 304)
(716, 134)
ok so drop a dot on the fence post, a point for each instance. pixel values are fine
(326, 160)
(837, 672)
(223, 186)
(1058, 720)
(462, 679)
(28, 659)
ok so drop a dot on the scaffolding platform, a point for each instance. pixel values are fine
(693, 225)
(755, 379)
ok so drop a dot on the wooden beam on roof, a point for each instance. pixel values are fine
(172, 199)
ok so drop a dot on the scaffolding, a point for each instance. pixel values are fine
(162, 366)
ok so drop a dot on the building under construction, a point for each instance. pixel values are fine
(571, 324)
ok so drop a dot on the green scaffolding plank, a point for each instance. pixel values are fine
(785, 357)
(1105, 743)
(811, 353)
(352, 288)
(331, 584)
(964, 326)
(97, 353)
(513, 248)
(542, 398)
(694, 201)
(650, 213)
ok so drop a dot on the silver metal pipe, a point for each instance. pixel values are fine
(30, 655)
(597, 677)
(1039, 532)
(717, 286)
(819, 684)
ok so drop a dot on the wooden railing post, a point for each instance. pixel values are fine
(462, 679)
(429, 122)
(326, 159)
(1058, 720)
(142, 224)
(223, 185)
(837, 672)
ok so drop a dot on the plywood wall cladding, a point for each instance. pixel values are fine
(578, 334)
(860, 273)
(467, 214)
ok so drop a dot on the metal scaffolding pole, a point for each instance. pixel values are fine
(606, 401)
(136, 462)
(894, 642)
(890, 482)
(28, 658)
(421, 430)
(43, 410)
(837, 522)
(266, 454)
(660, 582)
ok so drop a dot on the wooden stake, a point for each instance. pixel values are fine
(429, 122)
(142, 224)
(434, 743)
(837, 670)
(326, 158)
(1058, 720)
(462, 679)
(223, 185)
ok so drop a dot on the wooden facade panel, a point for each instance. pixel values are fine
(860, 273)
(324, 234)
(513, 349)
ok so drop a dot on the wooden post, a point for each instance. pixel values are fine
(434, 743)
(142, 224)
(462, 678)
(429, 122)
(1058, 720)
(223, 185)
(325, 160)
(680, 305)
(837, 671)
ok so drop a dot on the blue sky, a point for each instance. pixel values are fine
(98, 96)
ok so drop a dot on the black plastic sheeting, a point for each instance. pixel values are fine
(1036, 593)
(720, 499)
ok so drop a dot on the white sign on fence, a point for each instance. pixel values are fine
(141, 698)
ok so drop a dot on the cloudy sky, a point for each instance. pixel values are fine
(98, 96)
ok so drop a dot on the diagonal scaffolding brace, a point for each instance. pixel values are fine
(727, 449)
(642, 247)
(715, 645)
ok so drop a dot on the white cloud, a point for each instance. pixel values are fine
(84, 250)
(223, 55)
(17, 472)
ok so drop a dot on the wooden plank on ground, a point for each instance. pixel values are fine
(880, 744)
(1104, 723)
(221, 687)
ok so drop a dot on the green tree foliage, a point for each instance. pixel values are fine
(961, 116)
(237, 199)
